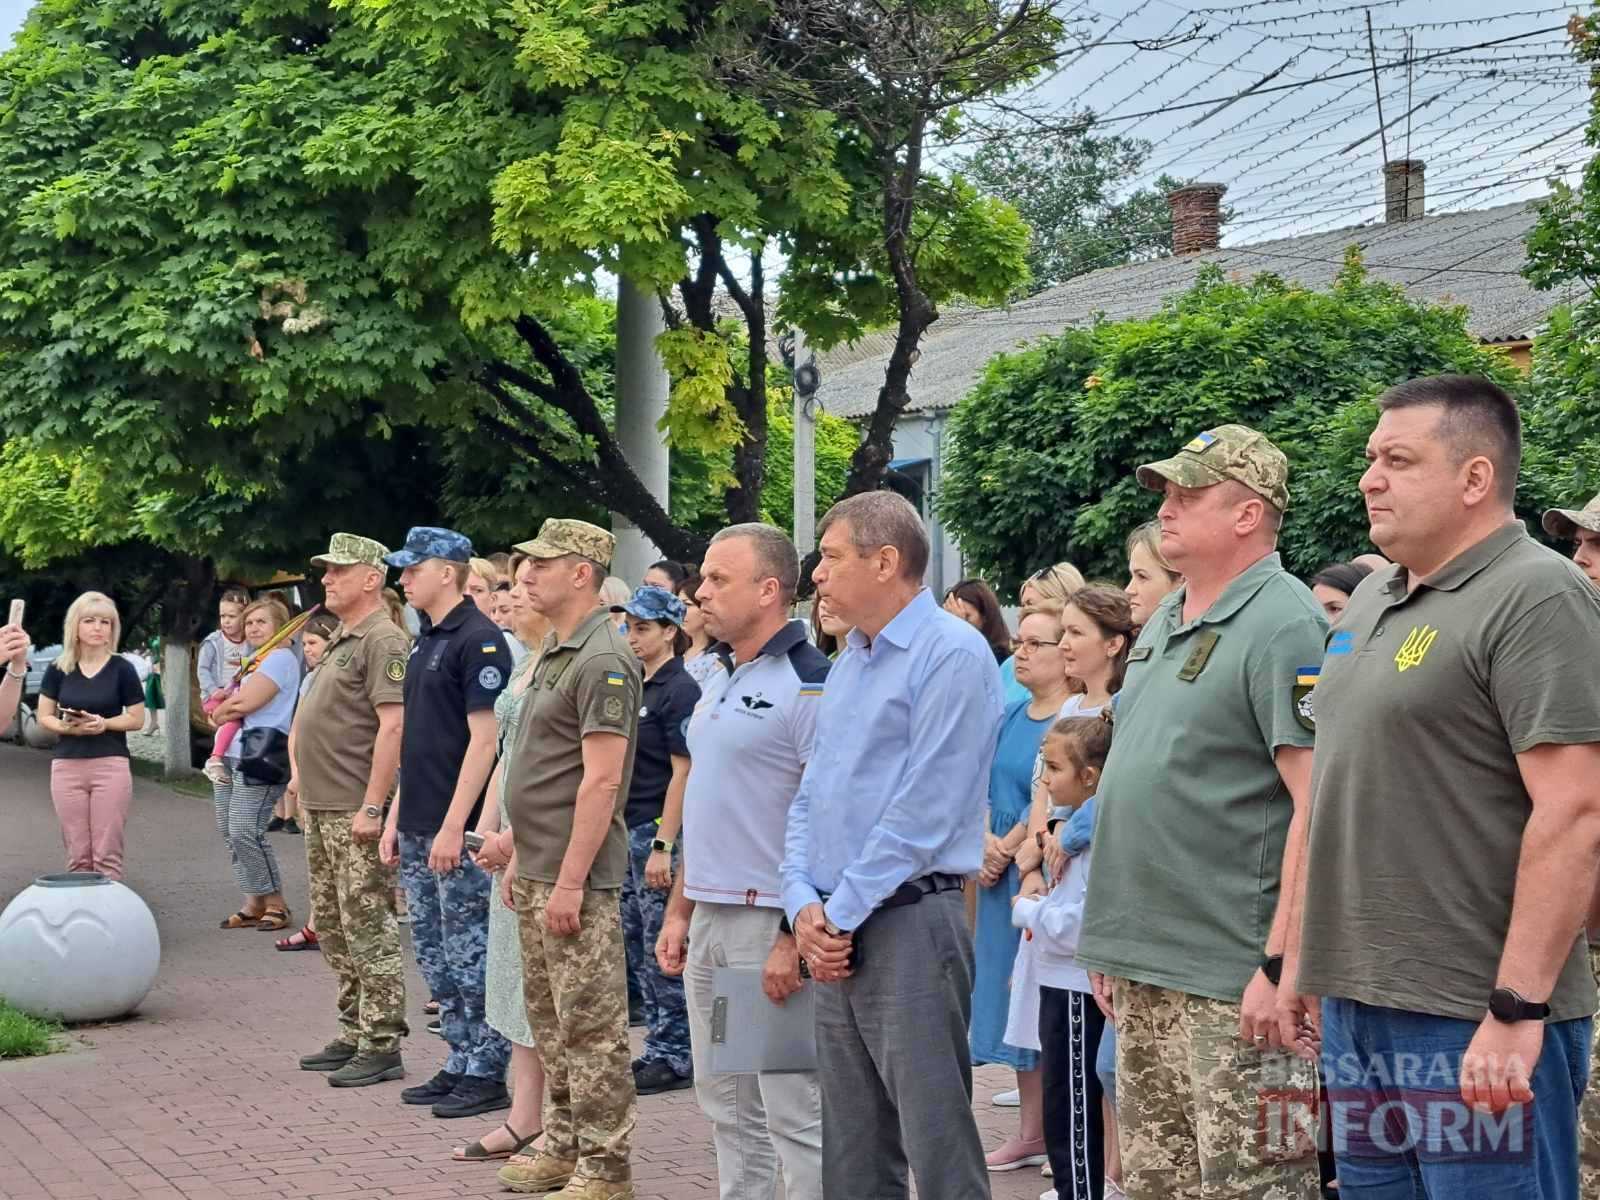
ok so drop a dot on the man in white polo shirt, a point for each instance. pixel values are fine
(749, 740)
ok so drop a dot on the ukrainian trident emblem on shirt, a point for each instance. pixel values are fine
(1415, 648)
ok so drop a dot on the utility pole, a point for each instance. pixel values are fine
(807, 379)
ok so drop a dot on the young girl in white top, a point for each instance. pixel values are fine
(1070, 1024)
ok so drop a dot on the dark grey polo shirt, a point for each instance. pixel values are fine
(1418, 808)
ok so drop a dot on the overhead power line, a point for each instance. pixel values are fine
(1286, 87)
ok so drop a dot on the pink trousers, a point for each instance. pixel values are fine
(92, 797)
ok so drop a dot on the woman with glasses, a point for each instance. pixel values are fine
(1053, 585)
(1039, 671)
(699, 659)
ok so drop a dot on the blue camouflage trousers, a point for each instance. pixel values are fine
(450, 934)
(666, 1015)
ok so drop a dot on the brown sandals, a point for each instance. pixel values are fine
(477, 1153)
(306, 939)
(273, 919)
(241, 920)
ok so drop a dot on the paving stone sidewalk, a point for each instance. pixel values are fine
(198, 1097)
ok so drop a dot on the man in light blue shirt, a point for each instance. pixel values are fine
(885, 828)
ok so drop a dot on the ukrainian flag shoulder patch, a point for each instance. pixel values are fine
(616, 678)
(810, 689)
(1307, 676)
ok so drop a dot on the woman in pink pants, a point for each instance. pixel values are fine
(92, 698)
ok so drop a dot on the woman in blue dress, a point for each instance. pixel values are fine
(1039, 669)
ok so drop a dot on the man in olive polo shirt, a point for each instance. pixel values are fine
(1208, 774)
(1455, 821)
(345, 749)
(566, 783)
(1582, 527)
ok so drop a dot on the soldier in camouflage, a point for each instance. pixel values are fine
(344, 753)
(459, 667)
(1183, 930)
(565, 782)
(1582, 527)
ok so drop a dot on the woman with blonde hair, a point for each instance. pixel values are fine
(257, 769)
(1150, 579)
(482, 578)
(91, 697)
(1052, 585)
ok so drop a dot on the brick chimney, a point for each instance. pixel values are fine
(1196, 217)
(1402, 190)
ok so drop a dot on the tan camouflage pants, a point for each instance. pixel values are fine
(1201, 1115)
(353, 910)
(1589, 1113)
(576, 989)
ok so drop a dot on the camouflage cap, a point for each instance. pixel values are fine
(348, 549)
(1565, 522)
(651, 603)
(558, 538)
(425, 541)
(1226, 452)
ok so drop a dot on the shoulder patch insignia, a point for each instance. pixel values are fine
(616, 678)
(396, 670)
(1305, 683)
(489, 678)
(612, 708)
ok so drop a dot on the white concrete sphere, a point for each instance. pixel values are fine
(78, 947)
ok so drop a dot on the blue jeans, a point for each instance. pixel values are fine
(1402, 1132)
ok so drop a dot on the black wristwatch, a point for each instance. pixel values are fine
(1508, 1006)
(1272, 968)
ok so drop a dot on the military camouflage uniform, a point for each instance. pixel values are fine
(575, 985)
(577, 999)
(1194, 1101)
(1200, 1112)
(1589, 1113)
(352, 892)
(450, 936)
(644, 908)
(353, 912)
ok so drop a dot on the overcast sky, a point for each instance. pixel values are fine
(1495, 122)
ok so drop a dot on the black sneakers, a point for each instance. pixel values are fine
(473, 1096)
(658, 1076)
(435, 1090)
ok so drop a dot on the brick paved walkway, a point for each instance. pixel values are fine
(199, 1097)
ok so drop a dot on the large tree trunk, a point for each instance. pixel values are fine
(917, 312)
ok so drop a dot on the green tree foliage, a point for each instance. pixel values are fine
(1565, 244)
(1042, 452)
(1071, 188)
(239, 232)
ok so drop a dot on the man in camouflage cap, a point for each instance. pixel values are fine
(566, 783)
(344, 753)
(1582, 525)
(1209, 770)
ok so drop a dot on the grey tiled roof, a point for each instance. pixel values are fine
(1470, 258)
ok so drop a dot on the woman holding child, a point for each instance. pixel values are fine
(255, 769)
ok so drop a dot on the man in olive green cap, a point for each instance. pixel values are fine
(1582, 525)
(566, 783)
(344, 752)
(1209, 770)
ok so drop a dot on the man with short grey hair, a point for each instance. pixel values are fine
(885, 828)
(750, 738)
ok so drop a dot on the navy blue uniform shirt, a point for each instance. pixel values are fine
(669, 698)
(458, 666)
